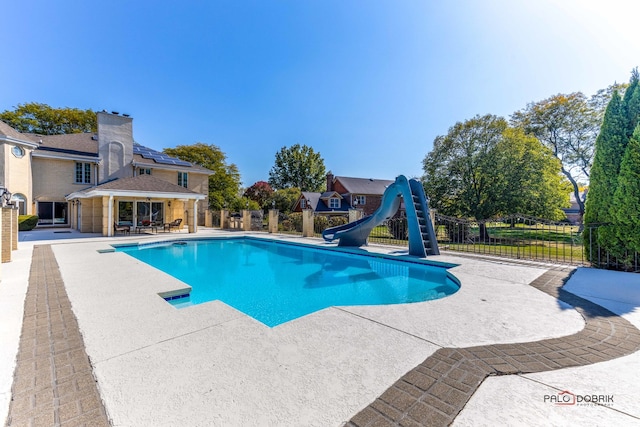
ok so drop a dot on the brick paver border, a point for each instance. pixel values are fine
(434, 392)
(53, 384)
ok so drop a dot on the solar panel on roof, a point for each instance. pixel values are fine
(157, 156)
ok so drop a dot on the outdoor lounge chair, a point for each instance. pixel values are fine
(123, 228)
(175, 224)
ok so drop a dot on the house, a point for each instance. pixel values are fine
(90, 181)
(573, 212)
(344, 193)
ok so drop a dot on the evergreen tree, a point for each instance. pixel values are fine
(610, 146)
(631, 102)
(626, 204)
(613, 195)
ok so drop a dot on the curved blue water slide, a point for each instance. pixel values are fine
(421, 235)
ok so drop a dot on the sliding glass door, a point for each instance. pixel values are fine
(53, 213)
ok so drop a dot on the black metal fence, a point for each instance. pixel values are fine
(513, 236)
(215, 219)
(322, 222)
(600, 256)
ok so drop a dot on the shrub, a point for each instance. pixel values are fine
(291, 222)
(338, 220)
(320, 223)
(27, 222)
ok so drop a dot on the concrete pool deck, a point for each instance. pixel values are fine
(212, 365)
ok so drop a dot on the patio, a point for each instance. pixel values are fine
(210, 364)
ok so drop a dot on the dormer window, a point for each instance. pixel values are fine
(360, 200)
(303, 203)
(334, 203)
(144, 171)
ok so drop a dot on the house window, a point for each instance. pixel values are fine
(334, 203)
(144, 171)
(17, 151)
(303, 203)
(360, 200)
(125, 213)
(182, 179)
(83, 173)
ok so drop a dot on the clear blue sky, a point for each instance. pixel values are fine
(368, 84)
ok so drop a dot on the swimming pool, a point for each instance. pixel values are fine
(276, 282)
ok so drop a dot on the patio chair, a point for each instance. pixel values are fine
(174, 224)
(122, 228)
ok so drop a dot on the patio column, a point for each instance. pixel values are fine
(107, 202)
(192, 216)
(354, 215)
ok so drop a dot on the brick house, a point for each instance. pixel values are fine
(344, 193)
(90, 182)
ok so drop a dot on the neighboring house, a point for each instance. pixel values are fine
(90, 181)
(344, 193)
(573, 212)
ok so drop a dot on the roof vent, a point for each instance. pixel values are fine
(126, 115)
(371, 179)
(94, 137)
(115, 112)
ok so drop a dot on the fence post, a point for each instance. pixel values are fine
(354, 215)
(307, 223)
(224, 219)
(7, 234)
(246, 220)
(273, 220)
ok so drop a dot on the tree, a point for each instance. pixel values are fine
(568, 125)
(224, 184)
(613, 193)
(483, 168)
(298, 166)
(631, 102)
(284, 199)
(42, 119)
(600, 100)
(241, 203)
(626, 202)
(260, 192)
(610, 147)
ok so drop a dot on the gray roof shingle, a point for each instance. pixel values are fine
(364, 185)
(8, 131)
(143, 183)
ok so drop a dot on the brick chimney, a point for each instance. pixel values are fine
(329, 181)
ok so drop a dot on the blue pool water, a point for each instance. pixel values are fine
(276, 282)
